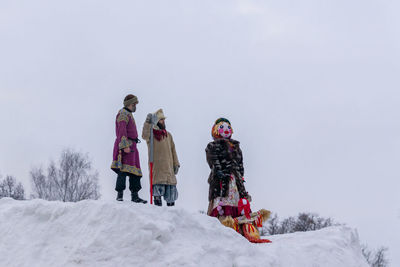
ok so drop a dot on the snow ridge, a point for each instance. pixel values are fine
(100, 233)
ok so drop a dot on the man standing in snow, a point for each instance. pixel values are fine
(126, 156)
(166, 164)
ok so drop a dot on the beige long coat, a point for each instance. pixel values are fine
(165, 157)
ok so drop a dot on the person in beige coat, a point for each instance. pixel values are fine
(166, 164)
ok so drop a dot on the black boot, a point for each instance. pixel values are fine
(137, 199)
(171, 204)
(120, 196)
(157, 201)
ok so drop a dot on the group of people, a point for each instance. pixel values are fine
(228, 199)
(126, 156)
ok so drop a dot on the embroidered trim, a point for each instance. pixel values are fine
(119, 160)
(125, 142)
(126, 168)
(124, 115)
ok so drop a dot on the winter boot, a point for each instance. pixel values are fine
(137, 199)
(157, 201)
(171, 204)
(120, 196)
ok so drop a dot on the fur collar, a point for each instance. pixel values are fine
(224, 141)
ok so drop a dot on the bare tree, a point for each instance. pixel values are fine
(311, 222)
(375, 258)
(272, 227)
(43, 186)
(287, 225)
(73, 179)
(10, 188)
(303, 222)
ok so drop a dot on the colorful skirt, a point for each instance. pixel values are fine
(227, 206)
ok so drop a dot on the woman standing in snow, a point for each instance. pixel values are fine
(225, 159)
(228, 198)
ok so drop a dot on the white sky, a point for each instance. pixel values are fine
(311, 89)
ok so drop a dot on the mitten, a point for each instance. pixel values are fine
(148, 118)
(176, 169)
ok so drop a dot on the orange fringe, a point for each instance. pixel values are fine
(253, 239)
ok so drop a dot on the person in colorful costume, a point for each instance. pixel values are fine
(228, 199)
(166, 164)
(125, 155)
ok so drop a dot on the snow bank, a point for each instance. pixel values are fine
(98, 233)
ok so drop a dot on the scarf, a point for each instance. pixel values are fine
(160, 134)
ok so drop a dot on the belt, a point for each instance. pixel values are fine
(136, 140)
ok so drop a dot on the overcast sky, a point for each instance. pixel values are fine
(311, 89)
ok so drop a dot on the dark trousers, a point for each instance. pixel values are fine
(134, 182)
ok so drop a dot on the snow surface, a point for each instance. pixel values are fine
(99, 233)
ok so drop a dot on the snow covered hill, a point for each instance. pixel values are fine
(98, 233)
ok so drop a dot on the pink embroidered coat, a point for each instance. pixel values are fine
(126, 132)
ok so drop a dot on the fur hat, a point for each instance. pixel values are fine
(130, 99)
(160, 115)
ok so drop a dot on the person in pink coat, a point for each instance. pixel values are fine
(125, 155)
